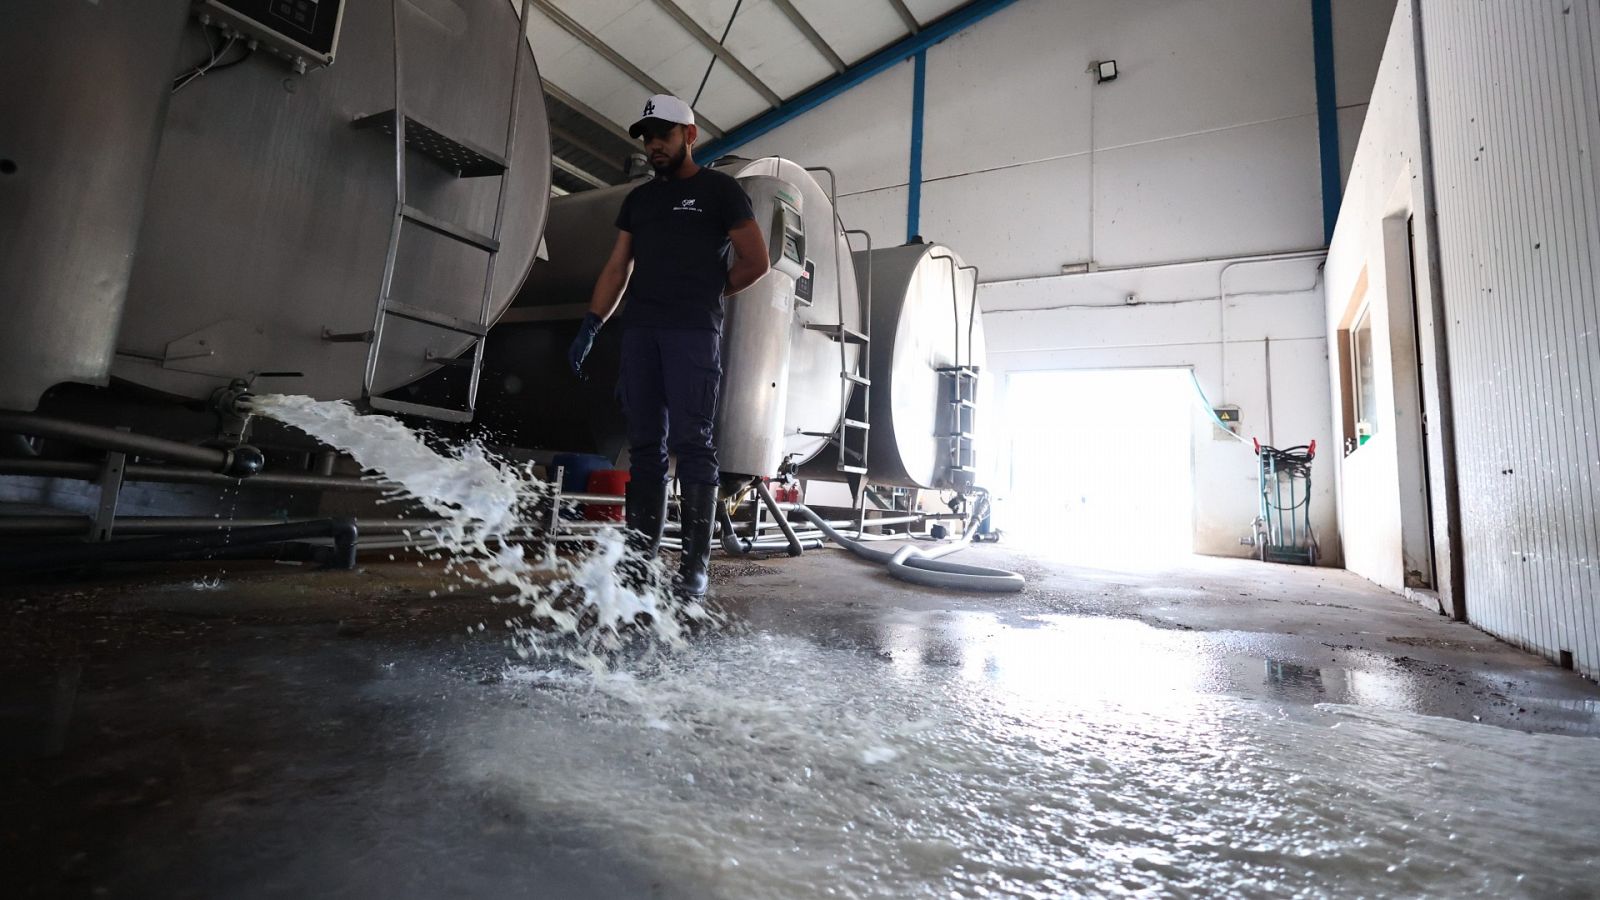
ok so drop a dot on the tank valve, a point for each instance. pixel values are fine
(233, 400)
(244, 461)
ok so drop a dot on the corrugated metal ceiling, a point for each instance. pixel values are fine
(601, 58)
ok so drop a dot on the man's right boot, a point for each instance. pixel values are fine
(642, 505)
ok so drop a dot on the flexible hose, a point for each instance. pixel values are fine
(917, 566)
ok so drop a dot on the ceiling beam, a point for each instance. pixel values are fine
(948, 25)
(905, 15)
(589, 39)
(720, 52)
(606, 158)
(588, 112)
(811, 34)
(578, 173)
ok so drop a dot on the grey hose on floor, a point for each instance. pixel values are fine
(924, 567)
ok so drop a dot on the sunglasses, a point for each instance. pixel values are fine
(656, 131)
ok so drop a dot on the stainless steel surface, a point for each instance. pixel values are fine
(531, 398)
(269, 214)
(84, 89)
(455, 154)
(922, 307)
(815, 402)
(756, 346)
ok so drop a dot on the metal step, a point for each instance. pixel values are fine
(461, 158)
(855, 423)
(432, 317)
(443, 413)
(450, 229)
(852, 470)
(838, 333)
(856, 379)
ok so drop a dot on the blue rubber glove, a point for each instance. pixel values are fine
(583, 343)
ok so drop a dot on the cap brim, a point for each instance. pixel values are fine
(636, 130)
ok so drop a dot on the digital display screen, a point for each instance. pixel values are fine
(309, 24)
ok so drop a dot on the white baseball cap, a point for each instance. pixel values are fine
(665, 107)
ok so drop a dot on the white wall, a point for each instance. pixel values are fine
(1379, 489)
(1205, 147)
(1515, 126)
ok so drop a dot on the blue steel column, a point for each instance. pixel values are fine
(1327, 113)
(919, 83)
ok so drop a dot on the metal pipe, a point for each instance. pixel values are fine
(343, 532)
(240, 461)
(49, 526)
(782, 519)
(730, 539)
(49, 468)
(924, 567)
(52, 468)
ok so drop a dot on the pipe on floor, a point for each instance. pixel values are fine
(344, 533)
(924, 567)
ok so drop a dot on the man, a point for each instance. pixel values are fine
(675, 232)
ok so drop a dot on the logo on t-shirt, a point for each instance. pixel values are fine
(687, 205)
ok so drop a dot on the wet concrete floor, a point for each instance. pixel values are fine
(1222, 727)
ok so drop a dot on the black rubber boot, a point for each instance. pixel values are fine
(642, 505)
(699, 516)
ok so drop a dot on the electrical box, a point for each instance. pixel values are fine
(303, 32)
(1228, 420)
(788, 251)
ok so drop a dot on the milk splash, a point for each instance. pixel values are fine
(579, 607)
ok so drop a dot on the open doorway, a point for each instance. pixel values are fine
(1102, 465)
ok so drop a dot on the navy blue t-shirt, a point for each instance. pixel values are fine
(681, 248)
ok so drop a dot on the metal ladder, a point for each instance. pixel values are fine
(852, 459)
(466, 161)
(961, 384)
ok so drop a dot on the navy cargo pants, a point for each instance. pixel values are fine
(668, 388)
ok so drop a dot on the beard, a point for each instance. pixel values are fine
(669, 163)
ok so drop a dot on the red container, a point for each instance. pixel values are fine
(612, 483)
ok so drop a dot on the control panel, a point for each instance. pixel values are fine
(788, 237)
(303, 32)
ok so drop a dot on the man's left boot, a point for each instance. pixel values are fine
(699, 517)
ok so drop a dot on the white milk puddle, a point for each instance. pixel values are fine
(575, 607)
(762, 765)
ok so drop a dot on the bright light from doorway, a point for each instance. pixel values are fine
(1102, 465)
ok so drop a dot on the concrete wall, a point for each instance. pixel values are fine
(1204, 148)
(1516, 128)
